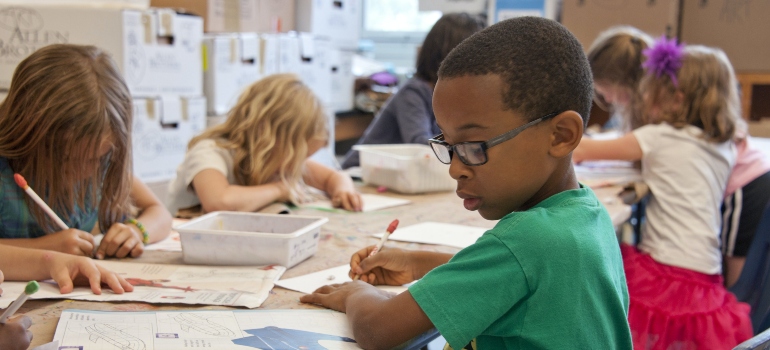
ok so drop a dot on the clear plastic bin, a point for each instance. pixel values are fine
(405, 168)
(236, 238)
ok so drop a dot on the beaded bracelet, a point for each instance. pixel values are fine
(145, 234)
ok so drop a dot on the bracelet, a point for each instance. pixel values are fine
(145, 234)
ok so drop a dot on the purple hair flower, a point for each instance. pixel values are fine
(664, 57)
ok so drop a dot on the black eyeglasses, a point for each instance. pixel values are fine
(475, 152)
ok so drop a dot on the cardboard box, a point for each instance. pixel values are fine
(288, 53)
(314, 68)
(221, 16)
(586, 19)
(336, 20)
(740, 28)
(163, 125)
(158, 51)
(342, 80)
(269, 47)
(231, 64)
(236, 238)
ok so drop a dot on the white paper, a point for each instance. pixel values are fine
(216, 329)
(452, 235)
(172, 243)
(372, 202)
(309, 283)
(159, 284)
(54, 345)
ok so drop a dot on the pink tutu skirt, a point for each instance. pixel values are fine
(676, 308)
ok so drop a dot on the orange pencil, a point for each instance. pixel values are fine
(391, 228)
(23, 184)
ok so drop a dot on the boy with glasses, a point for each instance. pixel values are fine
(512, 102)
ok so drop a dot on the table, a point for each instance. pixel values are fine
(344, 234)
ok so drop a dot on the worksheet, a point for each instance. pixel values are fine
(246, 286)
(312, 281)
(372, 202)
(211, 329)
(452, 235)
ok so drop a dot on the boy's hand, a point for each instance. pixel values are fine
(389, 266)
(69, 241)
(121, 240)
(348, 200)
(15, 334)
(68, 270)
(334, 296)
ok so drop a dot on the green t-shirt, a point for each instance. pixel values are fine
(550, 277)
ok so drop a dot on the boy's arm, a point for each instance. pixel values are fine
(339, 186)
(623, 148)
(216, 193)
(380, 320)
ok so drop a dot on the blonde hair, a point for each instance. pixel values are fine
(616, 58)
(708, 90)
(268, 131)
(64, 101)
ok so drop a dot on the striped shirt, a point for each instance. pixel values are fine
(16, 221)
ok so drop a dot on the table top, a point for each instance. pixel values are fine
(344, 234)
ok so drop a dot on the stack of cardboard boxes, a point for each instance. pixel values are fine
(155, 49)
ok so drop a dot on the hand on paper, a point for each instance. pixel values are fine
(348, 200)
(334, 296)
(120, 241)
(390, 266)
(69, 241)
(68, 270)
(15, 334)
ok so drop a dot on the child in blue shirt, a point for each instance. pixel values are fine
(512, 103)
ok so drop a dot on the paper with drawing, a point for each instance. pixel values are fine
(217, 329)
(184, 284)
(452, 235)
(312, 281)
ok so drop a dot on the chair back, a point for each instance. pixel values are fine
(753, 286)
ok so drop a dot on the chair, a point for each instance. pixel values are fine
(753, 286)
(760, 341)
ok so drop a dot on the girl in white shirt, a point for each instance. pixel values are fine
(677, 297)
(259, 155)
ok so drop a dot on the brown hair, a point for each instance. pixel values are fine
(708, 91)
(64, 101)
(268, 131)
(616, 58)
(449, 30)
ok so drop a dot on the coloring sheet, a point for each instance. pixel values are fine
(212, 329)
(372, 202)
(601, 173)
(158, 283)
(452, 235)
(312, 281)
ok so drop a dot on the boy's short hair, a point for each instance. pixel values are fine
(541, 63)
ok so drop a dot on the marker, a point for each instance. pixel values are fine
(30, 289)
(23, 184)
(383, 239)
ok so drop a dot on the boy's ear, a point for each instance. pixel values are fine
(566, 132)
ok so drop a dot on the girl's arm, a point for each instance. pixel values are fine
(124, 239)
(339, 186)
(216, 193)
(623, 148)
(19, 264)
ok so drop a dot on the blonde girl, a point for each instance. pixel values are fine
(65, 126)
(677, 298)
(616, 64)
(259, 155)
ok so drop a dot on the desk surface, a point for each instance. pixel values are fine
(344, 234)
